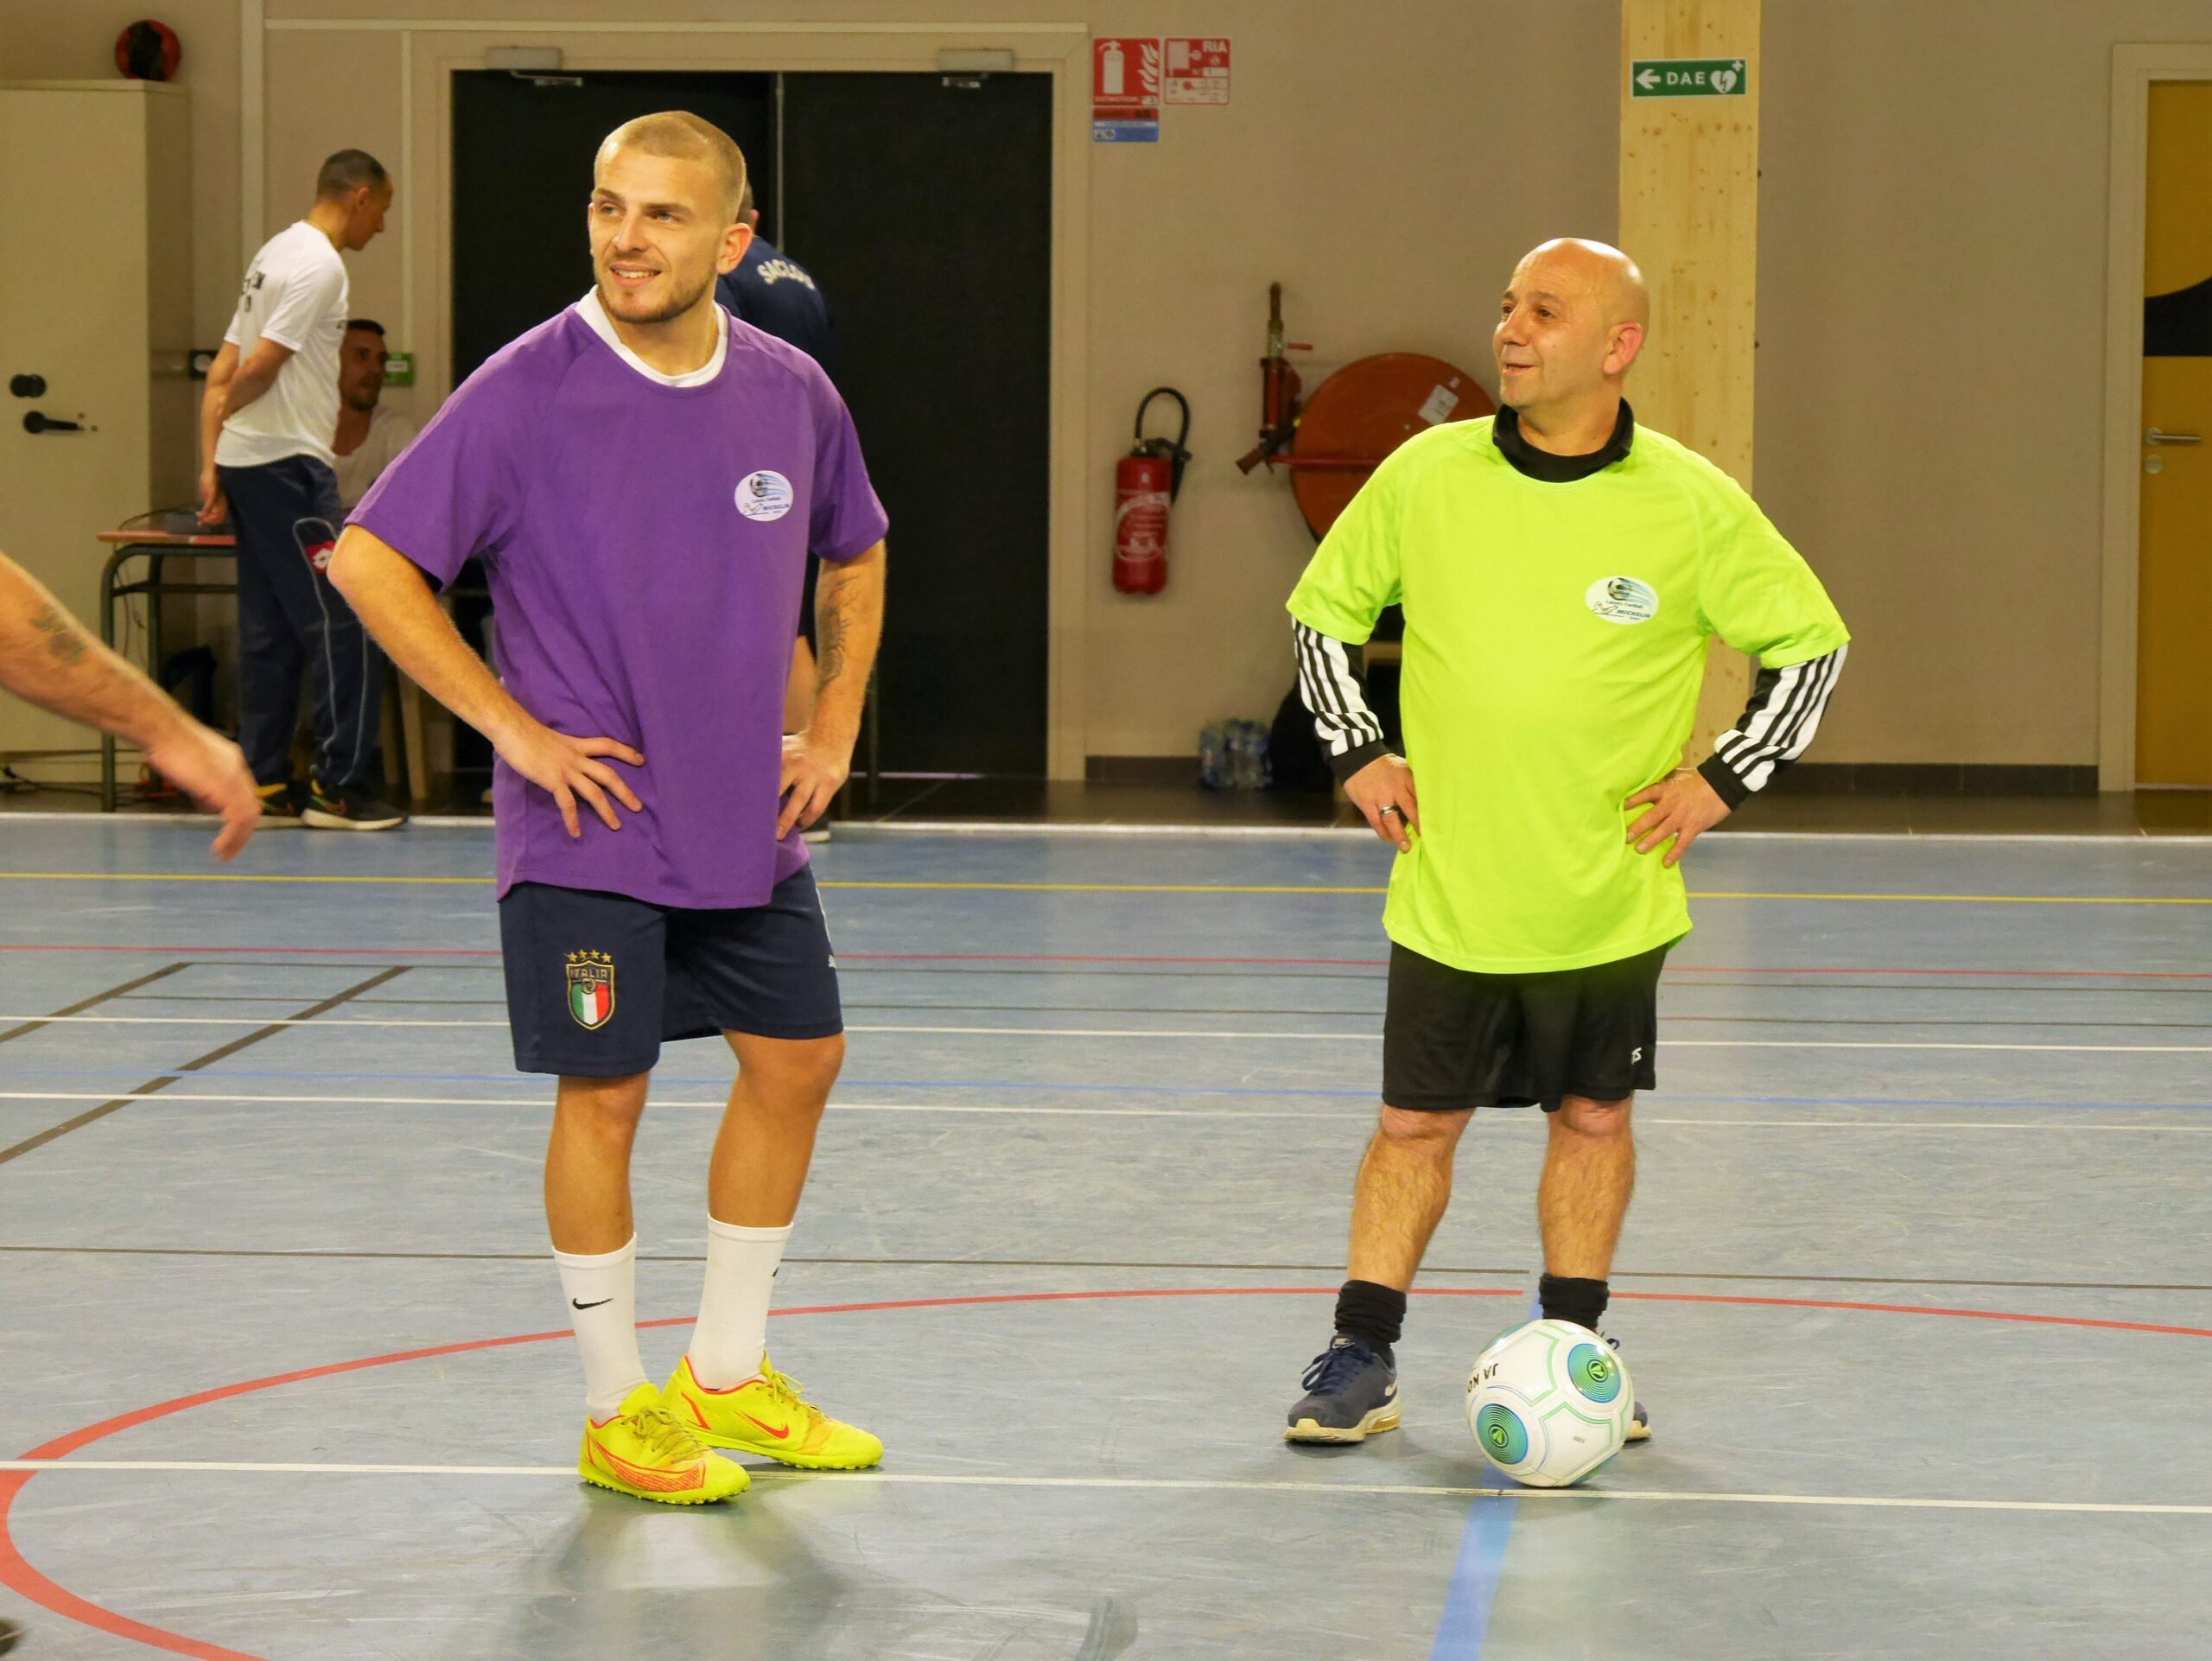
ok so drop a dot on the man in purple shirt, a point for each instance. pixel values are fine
(644, 477)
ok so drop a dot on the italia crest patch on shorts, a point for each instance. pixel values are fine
(591, 989)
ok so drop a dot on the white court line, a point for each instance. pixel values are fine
(1353, 1113)
(1202, 1484)
(324, 1023)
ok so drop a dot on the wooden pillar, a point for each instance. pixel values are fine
(1690, 218)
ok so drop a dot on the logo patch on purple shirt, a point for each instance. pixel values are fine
(763, 495)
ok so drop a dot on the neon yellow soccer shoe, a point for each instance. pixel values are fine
(765, 1415)
(646, 1451)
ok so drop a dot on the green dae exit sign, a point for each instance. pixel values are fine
(1688, 77)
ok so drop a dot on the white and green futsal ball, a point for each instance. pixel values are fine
(1549, 1403)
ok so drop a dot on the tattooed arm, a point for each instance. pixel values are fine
(46, 658)
(847, 624)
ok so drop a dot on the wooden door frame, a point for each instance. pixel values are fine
(431, 49)
(2134, 69)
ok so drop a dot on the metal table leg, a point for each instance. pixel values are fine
(107, 640)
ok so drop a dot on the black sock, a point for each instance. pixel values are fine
(1372, 1313)
(1565, 1299)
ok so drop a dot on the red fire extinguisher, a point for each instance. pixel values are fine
(1146, 481)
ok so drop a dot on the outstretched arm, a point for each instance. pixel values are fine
(47, 656)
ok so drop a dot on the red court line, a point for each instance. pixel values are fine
(17, 1573)
(1068, 958)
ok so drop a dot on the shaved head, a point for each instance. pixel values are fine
(1572, 321)
(1596, 270)
(680, 135)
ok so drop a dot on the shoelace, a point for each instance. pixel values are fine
(786, 1389)
(1337, 1365)
(665, 1434)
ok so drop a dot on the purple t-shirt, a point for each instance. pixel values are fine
(645, 543)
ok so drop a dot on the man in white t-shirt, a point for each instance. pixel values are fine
(370, 434)
(266, 427)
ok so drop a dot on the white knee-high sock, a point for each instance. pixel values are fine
(733, 1331)
(602, 1294)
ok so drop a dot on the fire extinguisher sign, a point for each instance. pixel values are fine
(1125, 90)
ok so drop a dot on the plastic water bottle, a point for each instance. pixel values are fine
(1213, 757)
(1260, 773)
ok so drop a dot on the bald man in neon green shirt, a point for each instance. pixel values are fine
(1560, 571)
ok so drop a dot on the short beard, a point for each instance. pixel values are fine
(353, 402)
(668, 313)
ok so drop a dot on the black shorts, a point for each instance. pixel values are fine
(597, 982)
(1453, 1039)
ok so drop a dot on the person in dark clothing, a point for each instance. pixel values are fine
(777, 296)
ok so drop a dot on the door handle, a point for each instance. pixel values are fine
(35, 422)
(2154, 436)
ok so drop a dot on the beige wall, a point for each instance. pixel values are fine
(1932, 230)
(1931, 365)
(74, 40)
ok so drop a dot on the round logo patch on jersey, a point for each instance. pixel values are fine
(1622, 599)
(763, 495)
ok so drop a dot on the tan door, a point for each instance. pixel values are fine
(2173, 666)
(75, 312)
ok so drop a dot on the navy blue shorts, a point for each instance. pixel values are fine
(596, 983)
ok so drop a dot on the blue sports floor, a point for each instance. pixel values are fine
(1918, 1285)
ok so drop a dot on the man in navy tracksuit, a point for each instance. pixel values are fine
(266, 426)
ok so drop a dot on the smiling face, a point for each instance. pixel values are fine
(661, 231)
(1570, 324)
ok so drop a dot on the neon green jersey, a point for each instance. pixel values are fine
(1556, 640)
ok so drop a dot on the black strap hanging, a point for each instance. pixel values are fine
(1179, 457)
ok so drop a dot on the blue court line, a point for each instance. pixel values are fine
(1467, 1604)
(1465, 1621)
(383, 1075)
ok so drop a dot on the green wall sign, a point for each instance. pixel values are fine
(1688, 77)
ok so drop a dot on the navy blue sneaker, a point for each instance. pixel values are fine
(1351, 1393)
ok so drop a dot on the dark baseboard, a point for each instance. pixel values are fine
(1805, 779)
(1141, 770)
(1932, 779)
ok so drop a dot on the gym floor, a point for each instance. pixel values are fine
(1918, 1286)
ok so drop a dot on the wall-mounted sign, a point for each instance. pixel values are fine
(1688, 77)
(1197, 70)
(1125, 90)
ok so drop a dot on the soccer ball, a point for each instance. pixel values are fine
(1549, 1403)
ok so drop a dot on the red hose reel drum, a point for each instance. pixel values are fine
(1362, 413)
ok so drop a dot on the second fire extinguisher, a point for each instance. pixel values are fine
(1146, 481)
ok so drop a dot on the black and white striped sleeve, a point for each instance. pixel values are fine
(1774, 727)
(1328, 685)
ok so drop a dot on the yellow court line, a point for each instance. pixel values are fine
(1148, 887)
